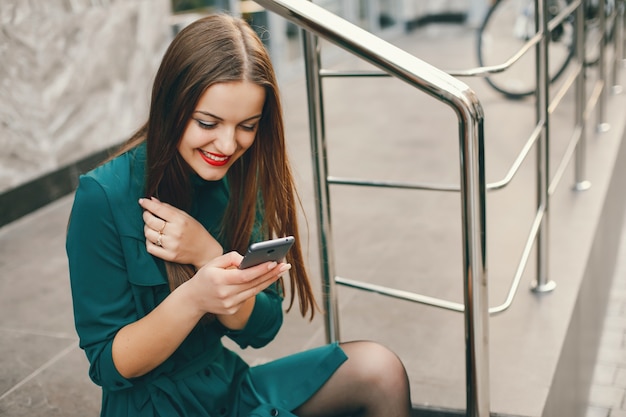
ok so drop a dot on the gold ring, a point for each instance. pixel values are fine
(163, 228)
(158, 242)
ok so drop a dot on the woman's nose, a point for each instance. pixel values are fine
(227, 141)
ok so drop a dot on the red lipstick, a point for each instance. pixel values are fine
(214, 159)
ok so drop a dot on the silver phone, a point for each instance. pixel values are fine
(266, 251)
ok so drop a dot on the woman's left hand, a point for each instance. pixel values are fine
(173, 235)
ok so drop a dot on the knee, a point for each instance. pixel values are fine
(376, 364)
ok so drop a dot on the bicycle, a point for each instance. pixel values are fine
(509, 24)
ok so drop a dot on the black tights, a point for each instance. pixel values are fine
(371, 383)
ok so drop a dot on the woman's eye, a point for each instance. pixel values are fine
(205, 125)
(249, 128)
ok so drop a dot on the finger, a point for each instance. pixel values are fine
(161, 210)
(154, 237)
(162, 252)
(254, 272)
(153, 222)
(152, 225)
(259, 285)
(226, 261)
(240, 295)
(251, 277)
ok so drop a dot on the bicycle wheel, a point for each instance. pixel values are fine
(508, 25)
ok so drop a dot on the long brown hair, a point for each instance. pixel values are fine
(216, 49)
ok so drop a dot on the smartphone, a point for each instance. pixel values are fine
(269, 250)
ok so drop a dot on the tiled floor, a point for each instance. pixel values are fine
(608, 392)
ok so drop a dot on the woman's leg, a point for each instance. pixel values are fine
(371, 383)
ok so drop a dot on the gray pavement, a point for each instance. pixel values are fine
(608, 392)
(44, 373)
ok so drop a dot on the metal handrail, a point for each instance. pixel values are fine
(496, 185)
(397, 63)
(478, 71)
(468, 109)
(540, 129)
(575, 149)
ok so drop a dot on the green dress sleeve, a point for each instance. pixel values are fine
(264, 323)
(102, 297)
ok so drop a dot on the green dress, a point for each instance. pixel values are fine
(115, 282)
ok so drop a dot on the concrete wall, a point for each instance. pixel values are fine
(75, 78)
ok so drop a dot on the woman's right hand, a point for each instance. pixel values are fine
(222, 289)
(219, 287)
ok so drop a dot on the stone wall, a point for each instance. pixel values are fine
(75, 78)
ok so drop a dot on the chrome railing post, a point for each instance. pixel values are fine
(541, 283)
(320, 174)
(473, 197)
(618, 46)
(580, 183)
(602, 124)
(621, 12)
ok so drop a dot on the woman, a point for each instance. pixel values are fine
(153, 291)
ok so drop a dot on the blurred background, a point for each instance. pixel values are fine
(75, 75)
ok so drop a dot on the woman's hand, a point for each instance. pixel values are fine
(228, 292)
(175, 236)
(219, 288)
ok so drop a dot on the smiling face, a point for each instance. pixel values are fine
(222, 127)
